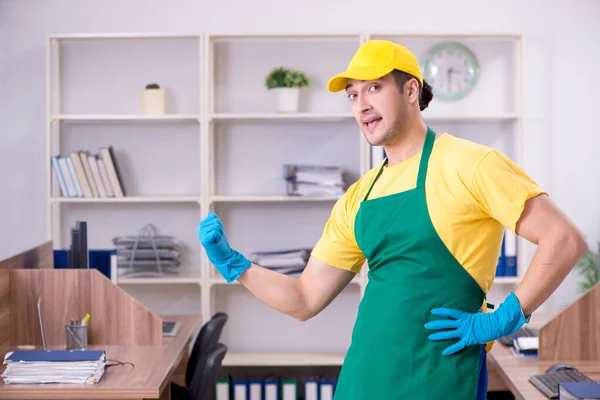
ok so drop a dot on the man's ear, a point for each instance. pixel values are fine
(411, 88)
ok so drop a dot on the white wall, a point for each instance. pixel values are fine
(561, 55)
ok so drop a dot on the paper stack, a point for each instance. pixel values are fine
(289, 262)
(55, 366)
(314, 180)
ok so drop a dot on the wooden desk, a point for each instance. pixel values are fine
(515, 372)
(149, 379)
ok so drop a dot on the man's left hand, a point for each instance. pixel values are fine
(478, 328)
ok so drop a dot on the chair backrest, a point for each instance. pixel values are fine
(210, 333)
(205, 376)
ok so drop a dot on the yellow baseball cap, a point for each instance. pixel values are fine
(375, 59)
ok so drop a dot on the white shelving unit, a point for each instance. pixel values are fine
(94, 84)
(221, 147)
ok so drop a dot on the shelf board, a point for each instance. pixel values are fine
(268, 198)
(282, 359)
(286, 35)
(483, 117)
(222, 281)
(507, 280)
(282, 116)
(349, 116)
(126, 35)
(128, 199)
(125, 117)
(189, 279)
(452, 35)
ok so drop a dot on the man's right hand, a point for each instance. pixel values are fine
(229, 262)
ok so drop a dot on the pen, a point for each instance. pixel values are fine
(86, 319)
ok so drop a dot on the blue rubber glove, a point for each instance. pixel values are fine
(479, 328)
(229, 262)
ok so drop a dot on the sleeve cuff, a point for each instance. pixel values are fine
(347, 261)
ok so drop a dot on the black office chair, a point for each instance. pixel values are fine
(204, 380)
(210, 333)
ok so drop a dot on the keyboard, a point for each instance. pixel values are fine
(548, 383)
(521, 332)
(170, 328)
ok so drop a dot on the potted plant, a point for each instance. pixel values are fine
(588, 269)
(153, 100)
(286, 84)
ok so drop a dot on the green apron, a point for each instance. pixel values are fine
(410, 272)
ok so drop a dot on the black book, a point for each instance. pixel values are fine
(74, 249)
(83, 245)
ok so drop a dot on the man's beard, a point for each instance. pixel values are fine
(394, 131)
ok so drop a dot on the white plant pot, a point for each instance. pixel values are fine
(287, 99)
(153, 102)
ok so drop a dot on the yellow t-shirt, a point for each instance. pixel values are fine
(473, 192)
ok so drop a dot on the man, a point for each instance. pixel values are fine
(430, 221)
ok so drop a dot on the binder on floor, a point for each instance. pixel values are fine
(326, 389)
(289, 389)
(240, 389)
(271, 389)
(255, 389)
(311, 389)
(222, 389)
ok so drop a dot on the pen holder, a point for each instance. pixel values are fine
(77, 337)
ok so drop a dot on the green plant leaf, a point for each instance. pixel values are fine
(282, 77)
(587, 266)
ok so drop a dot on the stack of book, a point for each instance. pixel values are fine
(147, 254)
(314, 180)
(54, 366)
(81, 174)
(290, 262)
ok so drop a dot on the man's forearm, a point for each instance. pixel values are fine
(556, 254)
(281, 292)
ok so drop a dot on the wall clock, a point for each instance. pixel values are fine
(452, 70)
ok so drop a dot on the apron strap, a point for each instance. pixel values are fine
(427, 147)
(383, 164)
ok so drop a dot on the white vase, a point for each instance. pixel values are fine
(288, 99)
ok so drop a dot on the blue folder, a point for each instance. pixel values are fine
(55, 355)
(581, 390)
(501, 264)
(99, 259)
